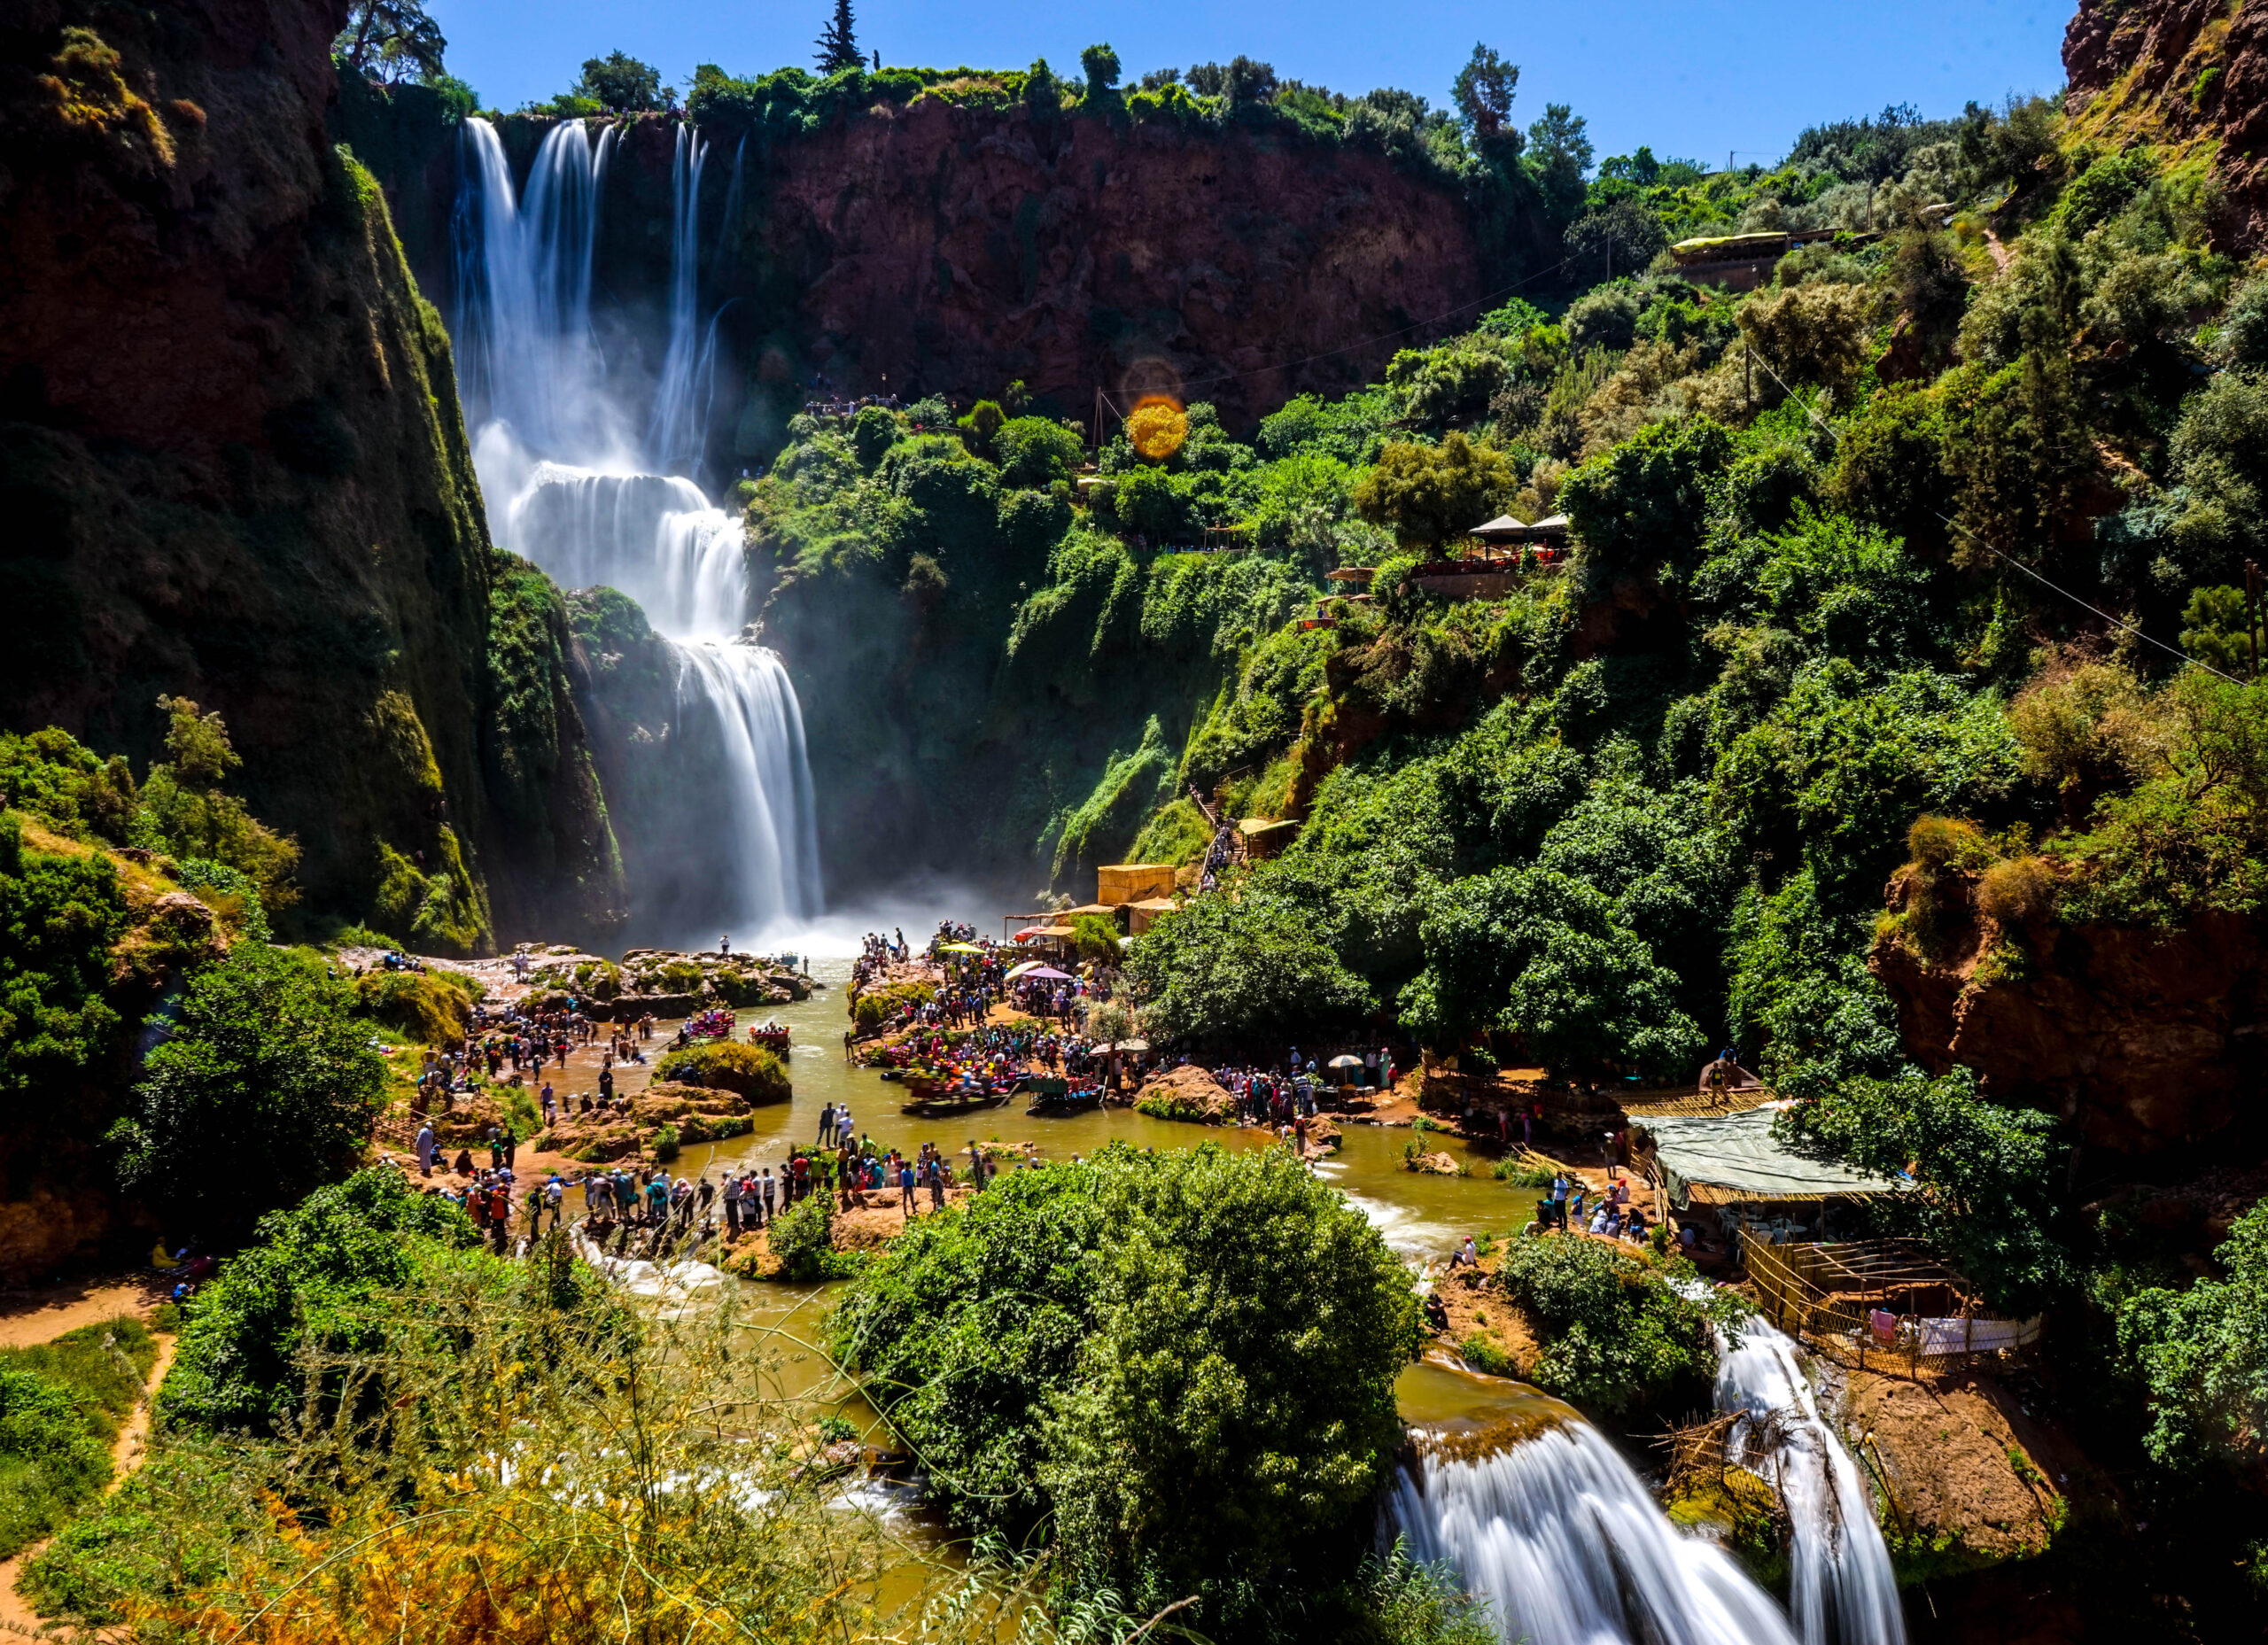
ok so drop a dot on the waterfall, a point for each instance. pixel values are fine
(679, 426)
(1563, 1542)
(578, 487)
(1841, 1587)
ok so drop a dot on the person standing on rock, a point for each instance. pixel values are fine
(425, 1150)
(733, 1205)
(769, 1206)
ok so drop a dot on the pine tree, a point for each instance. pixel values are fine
(838, 44)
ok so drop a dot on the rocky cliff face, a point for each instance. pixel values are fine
(233, 465)
(2145, 1042)
(932, 248)
(2187, 72)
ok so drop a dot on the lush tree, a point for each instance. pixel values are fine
(1187, 1359)
(1985, 1182)
(1644, 500)
(1240, 972)
(391, 39)
(1618, 1334)
(620, 83)
(328, 1271)
(1557, 157)
(1543, 955)
(1100, 65)
(1034, 452)
(1621, 237)
(838, 43)
(2221, 630)
(58, 916)
(2192, 836)
(2201, 1356)
(185, 812)
(1483, 91)
(263, 1089)
(1426, 495)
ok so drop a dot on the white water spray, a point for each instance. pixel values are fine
(572, 488)
(1562, 1541)
(1841, 1585)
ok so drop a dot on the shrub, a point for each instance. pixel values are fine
(1485, 1356)
(2016, 890)
(749, 1071)
(1087, 1341)
(2202, 1356)
(330, 1272)
(429, 1006)
(49, 1461)
(265, 1088)
(665, 1145)
(1427, 494)
(1617, 1334)
(803, 1237)
(877, 1009)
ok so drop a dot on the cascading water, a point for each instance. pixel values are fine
(1560, 1538)
(574, 489)
(1841, 1586)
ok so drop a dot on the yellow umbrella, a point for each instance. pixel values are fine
(1017, 970)
(960, 948)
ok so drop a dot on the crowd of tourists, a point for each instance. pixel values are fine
(524, 1043)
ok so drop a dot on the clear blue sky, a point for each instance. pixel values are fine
(1692, 80)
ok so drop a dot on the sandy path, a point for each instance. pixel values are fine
(43, 1324)
(42, 1315)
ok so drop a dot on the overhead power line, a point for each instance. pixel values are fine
(2118, 623)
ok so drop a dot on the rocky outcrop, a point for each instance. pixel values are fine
(2145, 1042)
(234, 469)
(2187, 72)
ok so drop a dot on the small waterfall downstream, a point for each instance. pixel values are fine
(1562, 1541)
(1841, 1586)
(594, 496)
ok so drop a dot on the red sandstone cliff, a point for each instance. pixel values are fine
(953, 249)
(2182, 72)
(2145, 1043)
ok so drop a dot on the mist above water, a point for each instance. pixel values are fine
(580, 483)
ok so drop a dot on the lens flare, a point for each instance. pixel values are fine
(1156, 427)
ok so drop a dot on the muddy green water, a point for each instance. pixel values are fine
(1422, 1216)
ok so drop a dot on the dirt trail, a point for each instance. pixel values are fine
(33, 1317)
(44, 1319)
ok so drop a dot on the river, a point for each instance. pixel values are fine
(1554, 1526)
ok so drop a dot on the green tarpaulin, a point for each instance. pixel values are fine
(1736, 1151)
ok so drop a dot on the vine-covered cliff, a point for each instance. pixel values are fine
(234, 470)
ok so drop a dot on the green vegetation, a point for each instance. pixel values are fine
(1084, 1344)
(803, 1237)
(263, 1090)
(749, 1071)
(1617, 1335)
(61, 1406)
(432, 1007)
(2201, 1356)
(1984, 1176)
